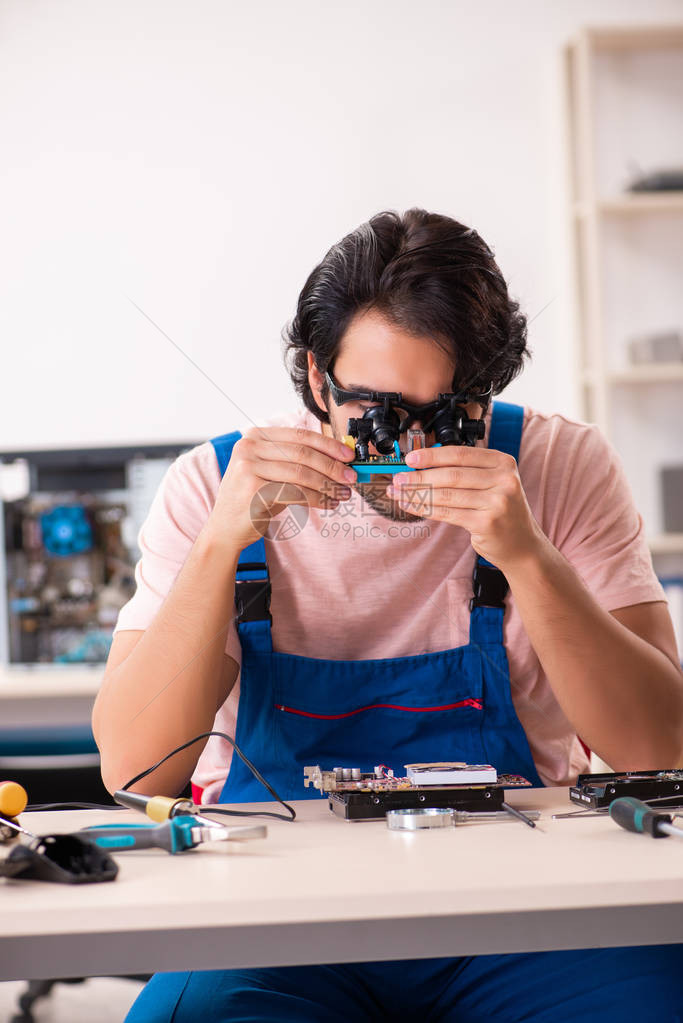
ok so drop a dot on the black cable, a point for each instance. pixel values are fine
(73, 806)
(245, 760)
(143, 774)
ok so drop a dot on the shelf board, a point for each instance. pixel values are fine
(666, 543)
(652, 373)
(634, 37)
(631, 204)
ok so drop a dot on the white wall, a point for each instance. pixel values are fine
(199, 158)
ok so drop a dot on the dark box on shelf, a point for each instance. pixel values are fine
(672, 498)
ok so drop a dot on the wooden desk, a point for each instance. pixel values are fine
(323, 890)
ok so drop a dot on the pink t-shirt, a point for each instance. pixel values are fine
(326, 601)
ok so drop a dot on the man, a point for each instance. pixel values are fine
(372, 654)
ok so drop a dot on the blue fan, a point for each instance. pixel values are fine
(66, 530)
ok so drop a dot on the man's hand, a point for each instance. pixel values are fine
(478, 489)
(272, 467)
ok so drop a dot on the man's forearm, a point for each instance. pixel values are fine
(171, 684)
(623, 695)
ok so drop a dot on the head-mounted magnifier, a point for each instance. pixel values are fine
(382, 424)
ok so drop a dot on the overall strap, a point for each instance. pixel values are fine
(490, 586)
(252, 581)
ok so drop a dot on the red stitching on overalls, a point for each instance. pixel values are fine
(477, 704)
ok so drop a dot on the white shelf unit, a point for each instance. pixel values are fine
(624, 90)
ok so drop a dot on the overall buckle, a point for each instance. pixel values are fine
(252, 597)
(490, 587)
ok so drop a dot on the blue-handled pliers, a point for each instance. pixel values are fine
(175, 835)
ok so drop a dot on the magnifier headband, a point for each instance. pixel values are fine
(394, 399)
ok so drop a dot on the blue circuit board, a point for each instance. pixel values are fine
(382, 465)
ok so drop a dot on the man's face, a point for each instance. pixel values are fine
(375, 355)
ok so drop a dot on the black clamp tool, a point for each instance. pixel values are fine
(67, 859)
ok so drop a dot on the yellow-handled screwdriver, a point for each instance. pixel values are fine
(13, 800)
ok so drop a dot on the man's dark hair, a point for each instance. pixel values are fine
(428, 275)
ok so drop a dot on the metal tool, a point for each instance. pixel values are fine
(603, 811)
(526, 816)
(465, 816)
(175, 835)
(16, 826)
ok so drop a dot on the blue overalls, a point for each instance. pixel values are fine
(447, 705)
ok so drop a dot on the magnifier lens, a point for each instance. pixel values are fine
(417, 819)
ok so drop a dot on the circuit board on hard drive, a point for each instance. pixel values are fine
(356, 795)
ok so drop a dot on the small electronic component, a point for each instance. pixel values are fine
(368, 465)
(450, 773)
(416, 440)
(599, 790)
(373, 793)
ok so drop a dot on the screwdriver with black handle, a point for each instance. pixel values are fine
(634, 815)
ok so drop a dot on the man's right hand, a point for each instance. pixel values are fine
(272, 467)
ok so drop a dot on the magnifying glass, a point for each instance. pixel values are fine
(422, 817)
(418, 819)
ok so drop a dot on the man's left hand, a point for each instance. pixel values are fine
(478, 489)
